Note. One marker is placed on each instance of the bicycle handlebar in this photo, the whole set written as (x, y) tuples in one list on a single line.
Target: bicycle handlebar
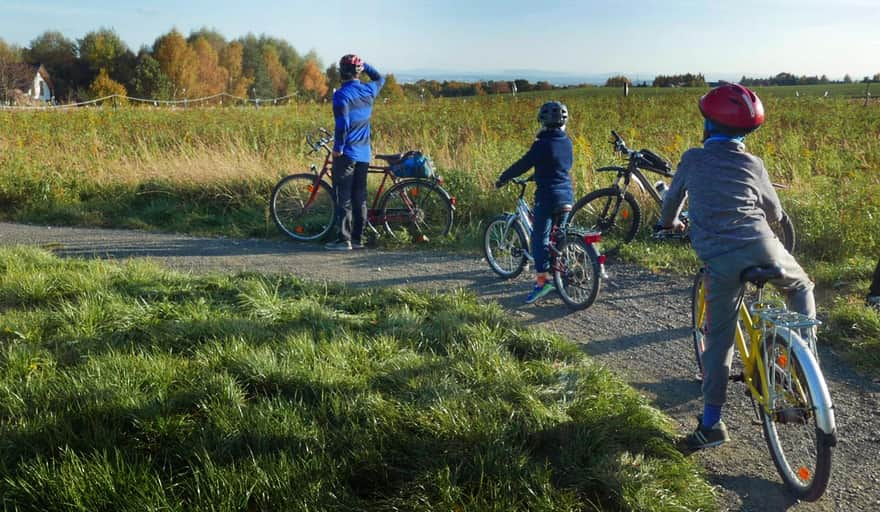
[(321, 142)]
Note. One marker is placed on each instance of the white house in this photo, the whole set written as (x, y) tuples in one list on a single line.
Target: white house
[(25, 83)]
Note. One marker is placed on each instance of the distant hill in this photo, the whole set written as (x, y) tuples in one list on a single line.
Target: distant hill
[(536, 75)]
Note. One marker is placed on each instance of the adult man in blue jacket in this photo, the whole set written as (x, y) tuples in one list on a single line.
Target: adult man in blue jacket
[(352, 107)]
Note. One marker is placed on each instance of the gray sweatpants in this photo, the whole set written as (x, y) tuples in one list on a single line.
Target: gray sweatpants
[(722, 291)]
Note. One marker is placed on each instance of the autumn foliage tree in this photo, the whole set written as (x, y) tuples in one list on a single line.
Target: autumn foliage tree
[(178, 61), (211, 78), (231, 59), (313, 83), (104, 86), (275, 70)]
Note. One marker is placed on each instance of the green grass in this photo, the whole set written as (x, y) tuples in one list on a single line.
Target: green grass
[(130, 387)]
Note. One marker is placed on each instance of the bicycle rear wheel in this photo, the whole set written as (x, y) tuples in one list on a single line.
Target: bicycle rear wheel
[(576, 273), (699, 324), (505, 246), (416, 210), (303, 207), (801, 451), (616, 218)]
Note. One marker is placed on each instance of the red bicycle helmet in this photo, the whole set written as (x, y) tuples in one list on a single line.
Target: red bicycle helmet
[(733, 107), (351, 64)]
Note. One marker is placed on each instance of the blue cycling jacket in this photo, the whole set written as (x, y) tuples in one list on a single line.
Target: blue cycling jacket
[(352, 106), (552, 157)]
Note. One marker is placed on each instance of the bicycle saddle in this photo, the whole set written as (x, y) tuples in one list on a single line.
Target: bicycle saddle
[(761, 274), (391, 159)]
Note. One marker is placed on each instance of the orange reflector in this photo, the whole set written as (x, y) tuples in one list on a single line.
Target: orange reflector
[(452, 200), (414, 192), (624, 214), (311, 188), (782, 360), (804, 473), (299, 230)]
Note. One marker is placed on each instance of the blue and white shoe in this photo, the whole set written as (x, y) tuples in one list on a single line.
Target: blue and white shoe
[(539, 291)]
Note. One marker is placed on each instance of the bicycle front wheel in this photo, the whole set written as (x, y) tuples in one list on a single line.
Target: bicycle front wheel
[(505, 246), (616, 217), (801, 451), (303, 207), (416, 210), (699, 324), (576, 273)]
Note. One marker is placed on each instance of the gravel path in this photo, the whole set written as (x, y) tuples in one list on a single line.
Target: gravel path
[(638, 327)]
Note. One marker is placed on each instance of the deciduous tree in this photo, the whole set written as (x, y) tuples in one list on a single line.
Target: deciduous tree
[(178, 61), (104, 86), (278, 75), (211, 78), (103, 49), (313, 83), (149, 82)]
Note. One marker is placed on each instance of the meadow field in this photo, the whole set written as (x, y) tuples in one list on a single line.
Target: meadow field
[(211, 170)]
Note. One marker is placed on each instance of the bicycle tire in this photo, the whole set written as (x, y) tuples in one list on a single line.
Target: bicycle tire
[(577, 273), (300, 214), (805, 464), (417, 210), (510, 233), (617, 219), (698, 319)]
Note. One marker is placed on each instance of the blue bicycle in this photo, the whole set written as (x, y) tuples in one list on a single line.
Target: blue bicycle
[(575, 261)]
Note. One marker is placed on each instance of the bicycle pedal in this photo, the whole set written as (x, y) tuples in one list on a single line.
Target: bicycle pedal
[(737, 378)]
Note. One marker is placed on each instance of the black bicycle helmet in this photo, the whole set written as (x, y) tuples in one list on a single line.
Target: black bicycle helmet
[(553, 114)]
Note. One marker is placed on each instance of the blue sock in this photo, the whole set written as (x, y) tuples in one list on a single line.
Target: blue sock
[(711, 415)]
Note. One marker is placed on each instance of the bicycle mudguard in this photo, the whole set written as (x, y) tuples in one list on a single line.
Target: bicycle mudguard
[(816, 382)]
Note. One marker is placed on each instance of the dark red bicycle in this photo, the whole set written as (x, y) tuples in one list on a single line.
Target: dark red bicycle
[(416, 209)]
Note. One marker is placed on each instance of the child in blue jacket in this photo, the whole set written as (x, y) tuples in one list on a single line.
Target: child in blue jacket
[(551, 155)]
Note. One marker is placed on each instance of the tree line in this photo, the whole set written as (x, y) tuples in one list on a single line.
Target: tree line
[(698, 80), (685, 80), (205, 63), (790, 79), (175, 67)]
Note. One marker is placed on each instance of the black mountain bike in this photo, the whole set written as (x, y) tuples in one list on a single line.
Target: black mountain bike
[(615, 212)]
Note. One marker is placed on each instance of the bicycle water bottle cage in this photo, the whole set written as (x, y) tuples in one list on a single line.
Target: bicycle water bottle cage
[(761, 274)]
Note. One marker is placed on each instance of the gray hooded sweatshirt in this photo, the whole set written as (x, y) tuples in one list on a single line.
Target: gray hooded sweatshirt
[(730, 198)]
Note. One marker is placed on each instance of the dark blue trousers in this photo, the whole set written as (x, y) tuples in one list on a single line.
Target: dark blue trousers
[(350, 186)]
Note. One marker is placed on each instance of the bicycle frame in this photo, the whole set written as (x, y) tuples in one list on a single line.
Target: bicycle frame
[(748, 338), (626, 174)]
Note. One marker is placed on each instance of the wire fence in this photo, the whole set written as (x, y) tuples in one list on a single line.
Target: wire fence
[(186, 102)]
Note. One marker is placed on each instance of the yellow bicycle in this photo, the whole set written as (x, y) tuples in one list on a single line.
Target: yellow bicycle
[(780, 366)]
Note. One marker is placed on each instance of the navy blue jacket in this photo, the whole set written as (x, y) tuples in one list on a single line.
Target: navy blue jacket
[(552, 156), (352, 106)]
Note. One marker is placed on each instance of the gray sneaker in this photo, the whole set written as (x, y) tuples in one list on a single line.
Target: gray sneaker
[(338, 245), (357, 246), (706, 437)]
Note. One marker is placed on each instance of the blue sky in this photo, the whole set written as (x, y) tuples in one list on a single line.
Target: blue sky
[(719, 39)]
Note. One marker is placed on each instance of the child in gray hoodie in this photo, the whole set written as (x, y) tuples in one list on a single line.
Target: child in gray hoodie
[(730, 204)]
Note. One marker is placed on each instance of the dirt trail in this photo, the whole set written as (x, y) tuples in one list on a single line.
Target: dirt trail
[(639, 328)]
